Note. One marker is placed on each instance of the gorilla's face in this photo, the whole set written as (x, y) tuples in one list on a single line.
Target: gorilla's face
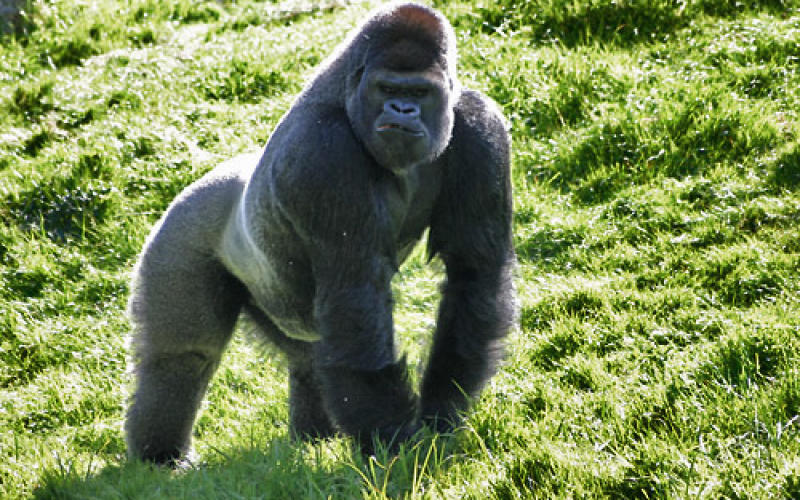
[(403, 118)]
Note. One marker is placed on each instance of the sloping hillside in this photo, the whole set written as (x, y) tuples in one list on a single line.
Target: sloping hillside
[(657, 225)]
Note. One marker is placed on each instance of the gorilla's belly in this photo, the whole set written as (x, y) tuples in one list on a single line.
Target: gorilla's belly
[(292, 316)]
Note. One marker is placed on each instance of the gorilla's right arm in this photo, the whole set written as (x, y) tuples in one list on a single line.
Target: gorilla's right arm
[(331, 197)]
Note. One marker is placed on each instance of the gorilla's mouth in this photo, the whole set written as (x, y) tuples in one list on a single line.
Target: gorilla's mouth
[(385, 127)]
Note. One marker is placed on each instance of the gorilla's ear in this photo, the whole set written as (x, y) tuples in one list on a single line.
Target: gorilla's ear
[(354, 78)]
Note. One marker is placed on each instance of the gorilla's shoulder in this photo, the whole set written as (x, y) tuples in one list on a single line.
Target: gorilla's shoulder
[(313, 141), (477, 110), (315, 151), (480, 134)]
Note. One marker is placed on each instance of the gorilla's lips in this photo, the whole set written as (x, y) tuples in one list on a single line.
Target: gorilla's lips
[(399, 127)]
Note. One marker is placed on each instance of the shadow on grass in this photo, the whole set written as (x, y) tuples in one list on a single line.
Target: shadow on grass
[(608, 21), (785, 171), (284, 468)]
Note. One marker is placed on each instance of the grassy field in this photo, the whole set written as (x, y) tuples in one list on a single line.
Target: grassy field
[(657, 225)]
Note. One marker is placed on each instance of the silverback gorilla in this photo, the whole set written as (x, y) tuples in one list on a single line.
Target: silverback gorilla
[(380, 145)]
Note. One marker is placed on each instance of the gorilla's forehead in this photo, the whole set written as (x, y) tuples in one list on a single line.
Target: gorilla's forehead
[(406, 55), (412, 78)]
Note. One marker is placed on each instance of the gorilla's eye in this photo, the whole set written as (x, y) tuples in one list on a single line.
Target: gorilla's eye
[(389, 89), (398, 90)]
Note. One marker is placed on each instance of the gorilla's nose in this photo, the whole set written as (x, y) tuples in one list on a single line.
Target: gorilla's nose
[(407, 109)]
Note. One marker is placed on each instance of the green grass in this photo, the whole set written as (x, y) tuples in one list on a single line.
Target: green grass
[(657, 225)]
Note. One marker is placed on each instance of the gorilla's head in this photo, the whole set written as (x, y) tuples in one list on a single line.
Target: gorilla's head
[(402, 89)]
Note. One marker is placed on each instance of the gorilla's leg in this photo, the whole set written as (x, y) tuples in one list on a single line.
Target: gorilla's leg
[(170, 388), (307, 415), (184, 313)]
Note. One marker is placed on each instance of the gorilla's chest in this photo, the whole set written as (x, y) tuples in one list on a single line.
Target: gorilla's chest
[(409, 201), (273, 258)]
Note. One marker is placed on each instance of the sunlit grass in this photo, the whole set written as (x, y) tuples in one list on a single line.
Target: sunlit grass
[(657, 227)]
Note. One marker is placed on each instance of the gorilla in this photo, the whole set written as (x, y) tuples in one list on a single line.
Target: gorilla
[(304, 239)]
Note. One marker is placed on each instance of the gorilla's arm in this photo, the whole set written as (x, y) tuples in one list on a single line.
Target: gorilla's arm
[(471, 230), (363, 387), (333, 203)]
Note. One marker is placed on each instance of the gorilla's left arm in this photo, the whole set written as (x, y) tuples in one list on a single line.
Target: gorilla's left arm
[(471, 230)]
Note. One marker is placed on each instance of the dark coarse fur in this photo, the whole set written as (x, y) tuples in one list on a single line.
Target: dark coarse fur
[(305, 238)]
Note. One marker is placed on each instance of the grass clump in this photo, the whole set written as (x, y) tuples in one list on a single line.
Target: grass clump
[(656, 165), (622, 22)]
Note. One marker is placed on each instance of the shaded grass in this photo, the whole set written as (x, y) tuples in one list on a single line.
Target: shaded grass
[(624, 22)]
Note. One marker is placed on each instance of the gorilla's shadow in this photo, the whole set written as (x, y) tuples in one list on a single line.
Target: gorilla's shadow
[(283, 468)]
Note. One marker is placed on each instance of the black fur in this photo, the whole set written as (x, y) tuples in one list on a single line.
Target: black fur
[(381, 145)]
